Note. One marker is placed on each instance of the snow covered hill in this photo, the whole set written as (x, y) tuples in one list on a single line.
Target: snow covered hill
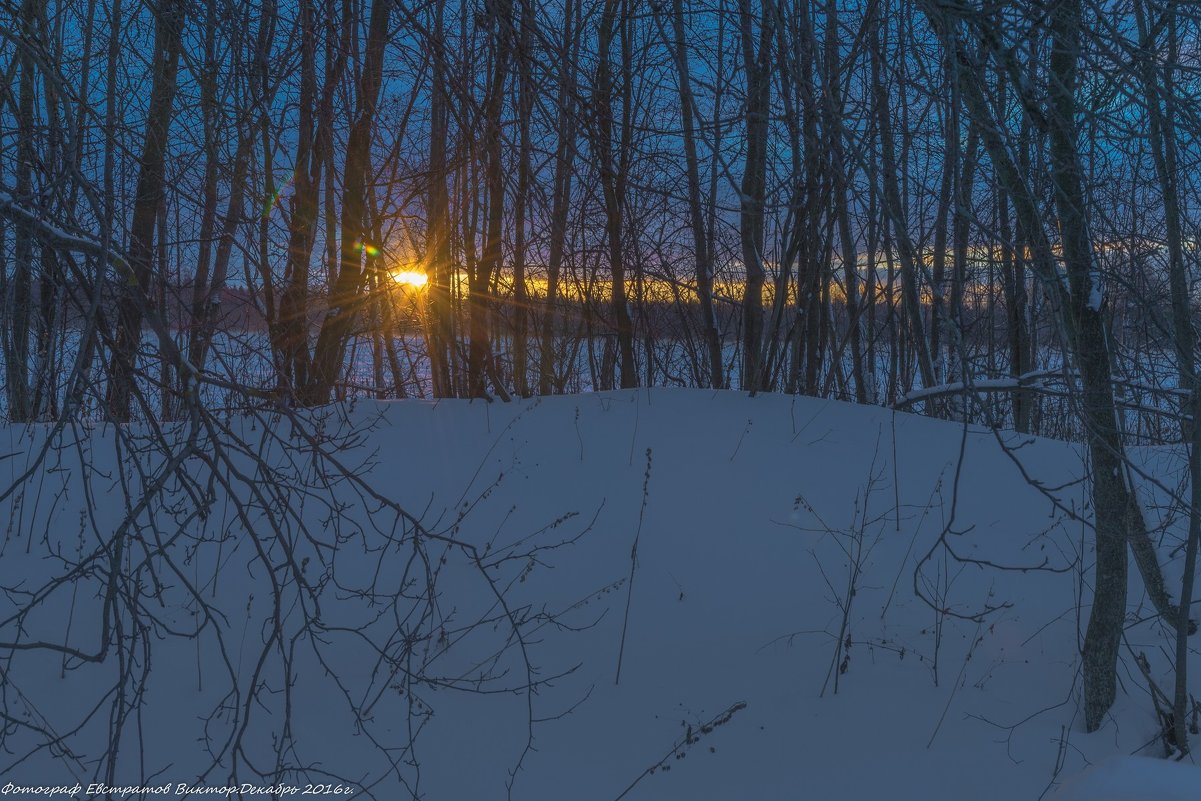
[(729, 598)]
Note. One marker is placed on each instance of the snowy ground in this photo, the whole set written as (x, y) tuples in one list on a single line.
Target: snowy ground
[(798, 623)]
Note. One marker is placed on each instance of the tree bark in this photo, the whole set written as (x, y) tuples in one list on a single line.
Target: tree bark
[(1160, 103), (612, 177), (565, 148), (1118, 518), (906, 251), (440, 334), (753, 190), (16, 297), (346, 292), (148, 199), (696, 216)]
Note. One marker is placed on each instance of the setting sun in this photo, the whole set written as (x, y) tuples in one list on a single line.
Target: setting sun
[(411, 278)]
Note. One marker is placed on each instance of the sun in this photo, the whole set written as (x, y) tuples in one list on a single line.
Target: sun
[(410, 278)]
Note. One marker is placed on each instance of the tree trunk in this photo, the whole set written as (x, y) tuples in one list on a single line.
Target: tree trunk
[(893, 207), (346, 293), (440, 333), (565, 148), (148, 199), (840, 203), (613, 188), (757, 64), (696, 216), (479, 353), (1118, 518), (1160, 102), (16, 300)]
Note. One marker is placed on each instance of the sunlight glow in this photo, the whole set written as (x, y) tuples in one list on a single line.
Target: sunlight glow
[(412, 278)]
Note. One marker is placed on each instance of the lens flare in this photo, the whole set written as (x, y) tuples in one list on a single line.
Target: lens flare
[(273, 201), (412, 278)]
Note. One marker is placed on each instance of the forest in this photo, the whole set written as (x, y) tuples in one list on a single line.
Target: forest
[(439, 200), (226, 224)]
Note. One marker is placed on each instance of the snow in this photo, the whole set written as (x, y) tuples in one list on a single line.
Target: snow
[(1094, 293), (754, 519), (1123, 778)]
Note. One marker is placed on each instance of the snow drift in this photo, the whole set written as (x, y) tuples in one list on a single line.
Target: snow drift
[(712, 597)]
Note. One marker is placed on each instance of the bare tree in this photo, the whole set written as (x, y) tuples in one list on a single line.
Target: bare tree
[(758, 67)]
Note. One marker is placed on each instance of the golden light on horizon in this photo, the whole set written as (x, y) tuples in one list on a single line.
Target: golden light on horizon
[(410, 278)]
